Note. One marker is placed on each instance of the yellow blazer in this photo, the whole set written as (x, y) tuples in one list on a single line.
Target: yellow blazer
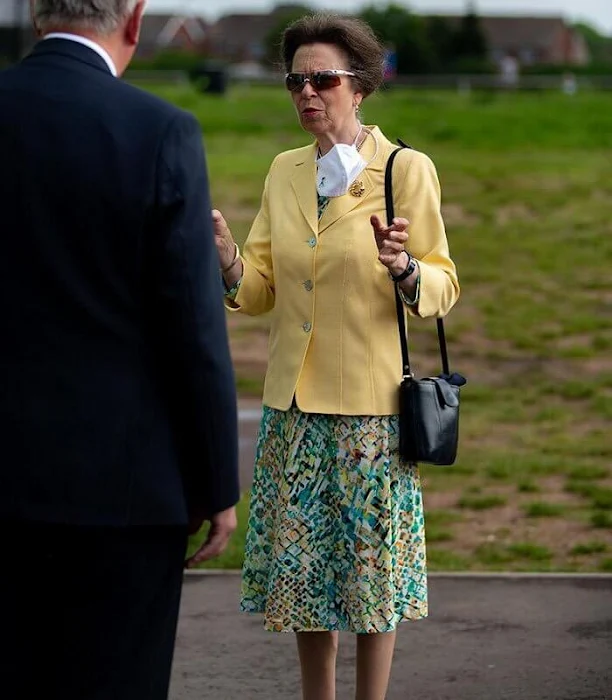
[(334, 341)]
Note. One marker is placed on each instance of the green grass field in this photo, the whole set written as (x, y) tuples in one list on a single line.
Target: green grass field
[(527, 188)]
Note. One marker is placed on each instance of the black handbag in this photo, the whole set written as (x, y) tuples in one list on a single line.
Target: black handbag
[(429, 407)]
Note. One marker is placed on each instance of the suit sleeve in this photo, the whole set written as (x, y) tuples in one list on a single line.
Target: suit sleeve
[(419, 201), (189, 319)]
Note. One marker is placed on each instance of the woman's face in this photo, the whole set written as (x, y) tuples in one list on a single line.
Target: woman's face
[(331, 111)]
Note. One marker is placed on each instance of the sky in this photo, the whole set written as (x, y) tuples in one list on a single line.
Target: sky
[(596, 12)]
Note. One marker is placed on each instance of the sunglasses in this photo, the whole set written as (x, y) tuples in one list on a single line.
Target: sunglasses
[(320, 80)]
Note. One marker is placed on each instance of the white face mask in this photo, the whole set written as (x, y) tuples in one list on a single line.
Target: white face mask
[(337, 169)]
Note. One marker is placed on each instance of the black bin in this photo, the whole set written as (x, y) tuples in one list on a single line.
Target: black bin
[(211, 80)]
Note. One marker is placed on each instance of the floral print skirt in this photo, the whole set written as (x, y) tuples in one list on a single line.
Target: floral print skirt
[(336, 533)]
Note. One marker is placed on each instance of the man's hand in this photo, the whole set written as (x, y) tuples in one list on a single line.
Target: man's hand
[(222, 525)]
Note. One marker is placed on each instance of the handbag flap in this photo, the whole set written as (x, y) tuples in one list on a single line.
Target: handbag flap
[(447, 394)]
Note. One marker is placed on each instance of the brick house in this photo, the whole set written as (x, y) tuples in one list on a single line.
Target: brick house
[(241, 38), (165, 32), (533, 40), (16, 34)]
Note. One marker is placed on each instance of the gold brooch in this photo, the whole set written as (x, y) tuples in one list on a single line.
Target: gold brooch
[(357, 189)]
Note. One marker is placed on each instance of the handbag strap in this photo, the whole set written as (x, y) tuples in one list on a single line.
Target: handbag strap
[(406, 370)]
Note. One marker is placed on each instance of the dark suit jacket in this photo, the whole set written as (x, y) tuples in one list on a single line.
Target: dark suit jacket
[(117, 395)]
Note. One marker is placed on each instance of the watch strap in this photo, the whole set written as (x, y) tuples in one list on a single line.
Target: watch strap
[(410, 267)]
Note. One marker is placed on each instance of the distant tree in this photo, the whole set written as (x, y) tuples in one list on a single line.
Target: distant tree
[(407, 32), (469, 41), (285, 15), (441, 38), (600, 46)]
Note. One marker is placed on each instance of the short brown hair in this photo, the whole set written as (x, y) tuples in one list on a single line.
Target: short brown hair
[(353, 36)]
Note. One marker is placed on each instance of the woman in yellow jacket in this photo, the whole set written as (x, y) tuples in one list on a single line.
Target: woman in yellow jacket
[(336, 536)]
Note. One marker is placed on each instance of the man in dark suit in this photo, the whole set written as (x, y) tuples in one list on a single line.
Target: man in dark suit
[(118, 427)]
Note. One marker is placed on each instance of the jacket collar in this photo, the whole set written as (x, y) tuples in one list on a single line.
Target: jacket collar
[(85, 41), (72, 50), (375, 151)]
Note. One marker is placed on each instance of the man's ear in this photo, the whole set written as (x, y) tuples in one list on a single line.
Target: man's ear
[(132, 28)]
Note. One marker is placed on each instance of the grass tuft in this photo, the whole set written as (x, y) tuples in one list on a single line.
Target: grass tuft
[(541, 509)]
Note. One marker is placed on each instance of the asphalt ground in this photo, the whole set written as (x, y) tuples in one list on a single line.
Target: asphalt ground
[(488, 637)]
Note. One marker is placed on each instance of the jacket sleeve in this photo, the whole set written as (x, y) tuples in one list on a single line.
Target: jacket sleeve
[(256, 293), (419, 201), (188, 318)]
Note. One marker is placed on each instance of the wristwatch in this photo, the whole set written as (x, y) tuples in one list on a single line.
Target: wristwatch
[(410, 268)]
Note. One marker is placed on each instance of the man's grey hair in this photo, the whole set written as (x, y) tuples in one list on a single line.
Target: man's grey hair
[(97, 16)]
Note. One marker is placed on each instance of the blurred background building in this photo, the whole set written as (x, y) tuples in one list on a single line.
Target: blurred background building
[(16, 35), (422, 48)]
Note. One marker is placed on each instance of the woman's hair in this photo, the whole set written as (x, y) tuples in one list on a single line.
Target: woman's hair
[(352, 36)]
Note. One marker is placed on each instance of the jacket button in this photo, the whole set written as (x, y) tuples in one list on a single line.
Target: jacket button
[(312, 242), (307, 327), (308, 285)]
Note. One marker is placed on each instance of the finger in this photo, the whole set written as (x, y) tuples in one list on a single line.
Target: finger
[(387, 260), (213, 547), (392, 247), (211, 550), (400, 223), (395, 231), (376, 223), (392, 253), (397, 236), (379, 227), (219, 223), (382, 236)]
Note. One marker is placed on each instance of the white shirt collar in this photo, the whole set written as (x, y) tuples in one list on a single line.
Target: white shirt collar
[(86, 42)]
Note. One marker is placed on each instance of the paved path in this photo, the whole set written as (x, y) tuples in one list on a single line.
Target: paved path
[(488, 638)]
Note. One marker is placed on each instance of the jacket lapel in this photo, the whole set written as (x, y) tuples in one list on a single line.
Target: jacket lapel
[(304, 188), (340, 206), (374, 152), (303, 183)]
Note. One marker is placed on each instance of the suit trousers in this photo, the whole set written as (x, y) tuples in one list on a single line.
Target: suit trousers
[(88, 613)]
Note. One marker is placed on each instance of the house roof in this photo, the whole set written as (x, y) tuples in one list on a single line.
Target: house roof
[(233, 33), (161, 30), (534, 32), (509, 32), (243, 29), (152, 27), (195, 27)]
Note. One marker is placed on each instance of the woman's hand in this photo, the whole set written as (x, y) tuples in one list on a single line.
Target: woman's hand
[(226, 247), (391, 242)]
